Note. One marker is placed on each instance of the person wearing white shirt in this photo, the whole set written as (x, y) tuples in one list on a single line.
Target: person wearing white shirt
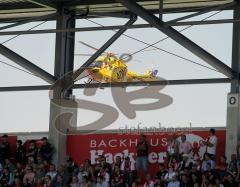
[(174, 182), (101, 182), (169, 175), (211, 144), (185, 146), (52, 171)]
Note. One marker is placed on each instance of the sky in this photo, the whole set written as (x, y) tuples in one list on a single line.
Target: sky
[(200, 105)]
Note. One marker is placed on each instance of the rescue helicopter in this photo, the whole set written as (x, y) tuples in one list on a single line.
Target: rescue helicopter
[(110, 68)]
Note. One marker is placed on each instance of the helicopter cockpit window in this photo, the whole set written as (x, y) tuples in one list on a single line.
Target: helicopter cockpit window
[(97, 64)]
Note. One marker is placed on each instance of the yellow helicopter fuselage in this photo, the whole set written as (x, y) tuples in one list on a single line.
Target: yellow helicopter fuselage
[(112, 69)]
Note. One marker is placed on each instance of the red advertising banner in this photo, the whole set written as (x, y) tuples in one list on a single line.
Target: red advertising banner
[(89, 146)]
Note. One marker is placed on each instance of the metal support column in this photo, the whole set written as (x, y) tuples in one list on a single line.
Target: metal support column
[(233, 109), (64, 63)]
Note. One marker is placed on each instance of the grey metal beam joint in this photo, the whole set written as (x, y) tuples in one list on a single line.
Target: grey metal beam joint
[(178, 37)]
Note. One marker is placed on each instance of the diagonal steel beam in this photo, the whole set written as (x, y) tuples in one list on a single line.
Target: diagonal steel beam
[(44, 3), (178, 37), (203, 12), (103, 48), (26, 64)]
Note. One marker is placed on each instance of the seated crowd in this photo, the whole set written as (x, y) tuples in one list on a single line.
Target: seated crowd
[(32, 166)]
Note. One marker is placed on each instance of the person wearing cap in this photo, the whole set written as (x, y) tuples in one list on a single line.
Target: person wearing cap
[(142, 154), (4, 148), (211, 144)]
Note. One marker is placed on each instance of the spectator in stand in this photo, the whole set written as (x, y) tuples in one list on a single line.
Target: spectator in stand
[(30, 162), (196, 181), (149, 182), (19, 171), (169, 175), (39, 175), (158, 183), (101, 182), (63, 172), (59, 182), (4, 148), (137, 182), (7, 178), (81, 173), (117, 178), (185, 181), (174, 182), (172, 148), (105, 164), (205, 181), (128, 168), (71, 166), (105, 174), (46, 150), (142, 154), (8, 164), (161, 172), (47, 181), (207, 163), (29, 175), (196, 171), (39, 161), (19, 156), (186, 163), (232, 167), (211, 144), (117, 162), (222, 167), (32, 150), (74, 182), (185, 146), (229, 181), (86, 182), (218, 182), (238, 175), (1, 169), (52, 171), (90, 170), (17, 182)]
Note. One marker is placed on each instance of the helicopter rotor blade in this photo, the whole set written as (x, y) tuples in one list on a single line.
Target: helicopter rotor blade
[(79, 54), (90, 46)]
